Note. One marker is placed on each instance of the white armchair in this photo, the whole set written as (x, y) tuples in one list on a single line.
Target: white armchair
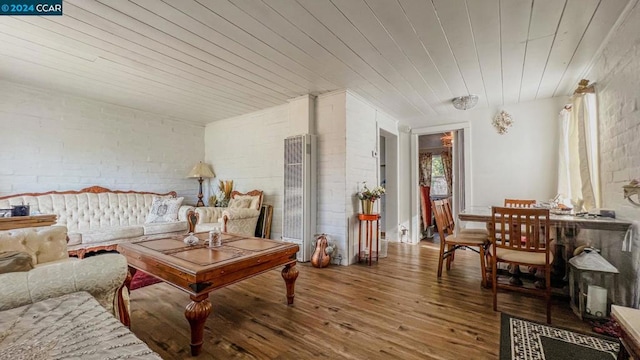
[(55, 273), (240, 217)]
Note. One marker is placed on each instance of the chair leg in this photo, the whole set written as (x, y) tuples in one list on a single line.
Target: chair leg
[(450, 255), (494, 282), (442, 245), (483, 267), (548, 292)]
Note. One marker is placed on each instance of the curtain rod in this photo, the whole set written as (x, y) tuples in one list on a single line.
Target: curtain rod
[(584, 87)]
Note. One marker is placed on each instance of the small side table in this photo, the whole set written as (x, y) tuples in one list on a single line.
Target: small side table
[(629, 321), (368, 221)]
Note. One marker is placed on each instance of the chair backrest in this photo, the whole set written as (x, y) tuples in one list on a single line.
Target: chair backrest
[(254, 195), (523, 229), (519, 203), (445, 226), (449, 213)]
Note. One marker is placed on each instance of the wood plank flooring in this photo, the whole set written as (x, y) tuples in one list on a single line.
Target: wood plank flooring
[(395, 309)]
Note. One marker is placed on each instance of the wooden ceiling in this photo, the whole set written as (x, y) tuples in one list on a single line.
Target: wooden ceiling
[(205, 60)]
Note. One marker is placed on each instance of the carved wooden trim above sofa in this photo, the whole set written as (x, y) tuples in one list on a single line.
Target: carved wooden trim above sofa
[(93, 190)]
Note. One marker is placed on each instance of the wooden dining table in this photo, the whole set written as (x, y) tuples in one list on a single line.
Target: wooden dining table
[(483, 214), (566, 227)]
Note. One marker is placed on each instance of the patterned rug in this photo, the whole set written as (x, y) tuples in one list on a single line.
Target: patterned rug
[(142, 279), (526, 340)]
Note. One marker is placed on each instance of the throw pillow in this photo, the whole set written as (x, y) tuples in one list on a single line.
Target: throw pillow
[(240, 203), (255, 200), (164, 209), (15, 261)]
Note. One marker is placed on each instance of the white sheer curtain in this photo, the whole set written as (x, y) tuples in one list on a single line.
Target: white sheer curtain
[(579, 173)]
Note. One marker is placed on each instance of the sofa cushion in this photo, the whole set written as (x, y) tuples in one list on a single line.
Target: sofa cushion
[(72, 326), (206, 227), (30, 240), (111, 233), (240, 203), (166, 227), (15, 261), (255, 200), (164, 209)]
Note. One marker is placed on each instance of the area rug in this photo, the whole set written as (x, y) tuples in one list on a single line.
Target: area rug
[(527, 340), (142, 279)]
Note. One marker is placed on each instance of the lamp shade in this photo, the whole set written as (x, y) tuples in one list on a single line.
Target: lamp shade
[(201, 170)]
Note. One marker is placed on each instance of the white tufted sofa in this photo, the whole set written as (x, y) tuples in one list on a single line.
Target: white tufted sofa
[(97, 218)]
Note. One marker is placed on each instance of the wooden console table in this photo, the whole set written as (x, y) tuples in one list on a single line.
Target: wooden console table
[(368, 221), (17, 222)]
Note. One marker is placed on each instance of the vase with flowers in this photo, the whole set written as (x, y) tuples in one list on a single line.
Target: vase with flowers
[(368, 197)]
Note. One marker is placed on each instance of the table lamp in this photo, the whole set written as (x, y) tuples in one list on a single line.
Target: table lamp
[(201, 171)]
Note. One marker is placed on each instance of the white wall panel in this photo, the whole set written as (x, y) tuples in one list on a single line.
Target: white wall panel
[(52, 141)]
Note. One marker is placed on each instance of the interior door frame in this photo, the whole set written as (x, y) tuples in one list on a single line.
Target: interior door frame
[(415, 187)]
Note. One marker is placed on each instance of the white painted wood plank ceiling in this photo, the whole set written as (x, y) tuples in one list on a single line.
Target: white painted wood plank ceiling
[(205, 60)]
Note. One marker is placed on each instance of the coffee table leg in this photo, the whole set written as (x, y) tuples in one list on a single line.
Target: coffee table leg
[(290, 274), (196, 313)]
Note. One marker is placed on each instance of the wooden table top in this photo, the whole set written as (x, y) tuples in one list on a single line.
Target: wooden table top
[(17, 222), (199, 269), (483, 214)]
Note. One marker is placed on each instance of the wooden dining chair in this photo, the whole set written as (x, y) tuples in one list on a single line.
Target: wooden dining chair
[(521, 237), (450, 218), (450, 242), (519, 203)]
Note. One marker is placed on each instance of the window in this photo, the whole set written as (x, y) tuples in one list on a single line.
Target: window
[(438, 181)]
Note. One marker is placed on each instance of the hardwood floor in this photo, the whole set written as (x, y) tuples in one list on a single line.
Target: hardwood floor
[(395, 309)]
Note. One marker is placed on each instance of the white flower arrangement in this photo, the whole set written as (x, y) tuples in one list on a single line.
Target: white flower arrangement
[(502, 122), (370, 194)]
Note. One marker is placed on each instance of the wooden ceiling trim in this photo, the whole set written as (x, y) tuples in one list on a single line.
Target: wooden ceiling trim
[(281, 26), (422, 17), (211, 43), (164, 31), (365, 23), (545, 19), (455, 21), (393, 19), (573, 24), (208, 16), (352, 37), (101, 72), (514, 33), (123, 54), (487, 38), (308, 24), (54, 79), (602, 23)]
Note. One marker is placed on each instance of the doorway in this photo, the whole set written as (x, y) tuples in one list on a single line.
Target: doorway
[(388, 175), (448, 147)]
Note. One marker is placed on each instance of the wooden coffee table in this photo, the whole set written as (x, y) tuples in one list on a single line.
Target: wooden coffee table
[(198, 269)]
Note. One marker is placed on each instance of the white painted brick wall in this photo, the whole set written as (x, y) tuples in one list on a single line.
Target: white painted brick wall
[(362, 139), (52, 141), (617, 77), (249, 150), (332, 140)]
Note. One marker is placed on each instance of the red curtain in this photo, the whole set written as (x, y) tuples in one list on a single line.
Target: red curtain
[(425, 188), (425, 203)]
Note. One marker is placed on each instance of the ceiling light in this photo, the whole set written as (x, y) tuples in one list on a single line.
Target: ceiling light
[(465, 102)]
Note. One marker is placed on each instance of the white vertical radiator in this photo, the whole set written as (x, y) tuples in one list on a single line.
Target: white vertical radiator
[(299, 207)]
